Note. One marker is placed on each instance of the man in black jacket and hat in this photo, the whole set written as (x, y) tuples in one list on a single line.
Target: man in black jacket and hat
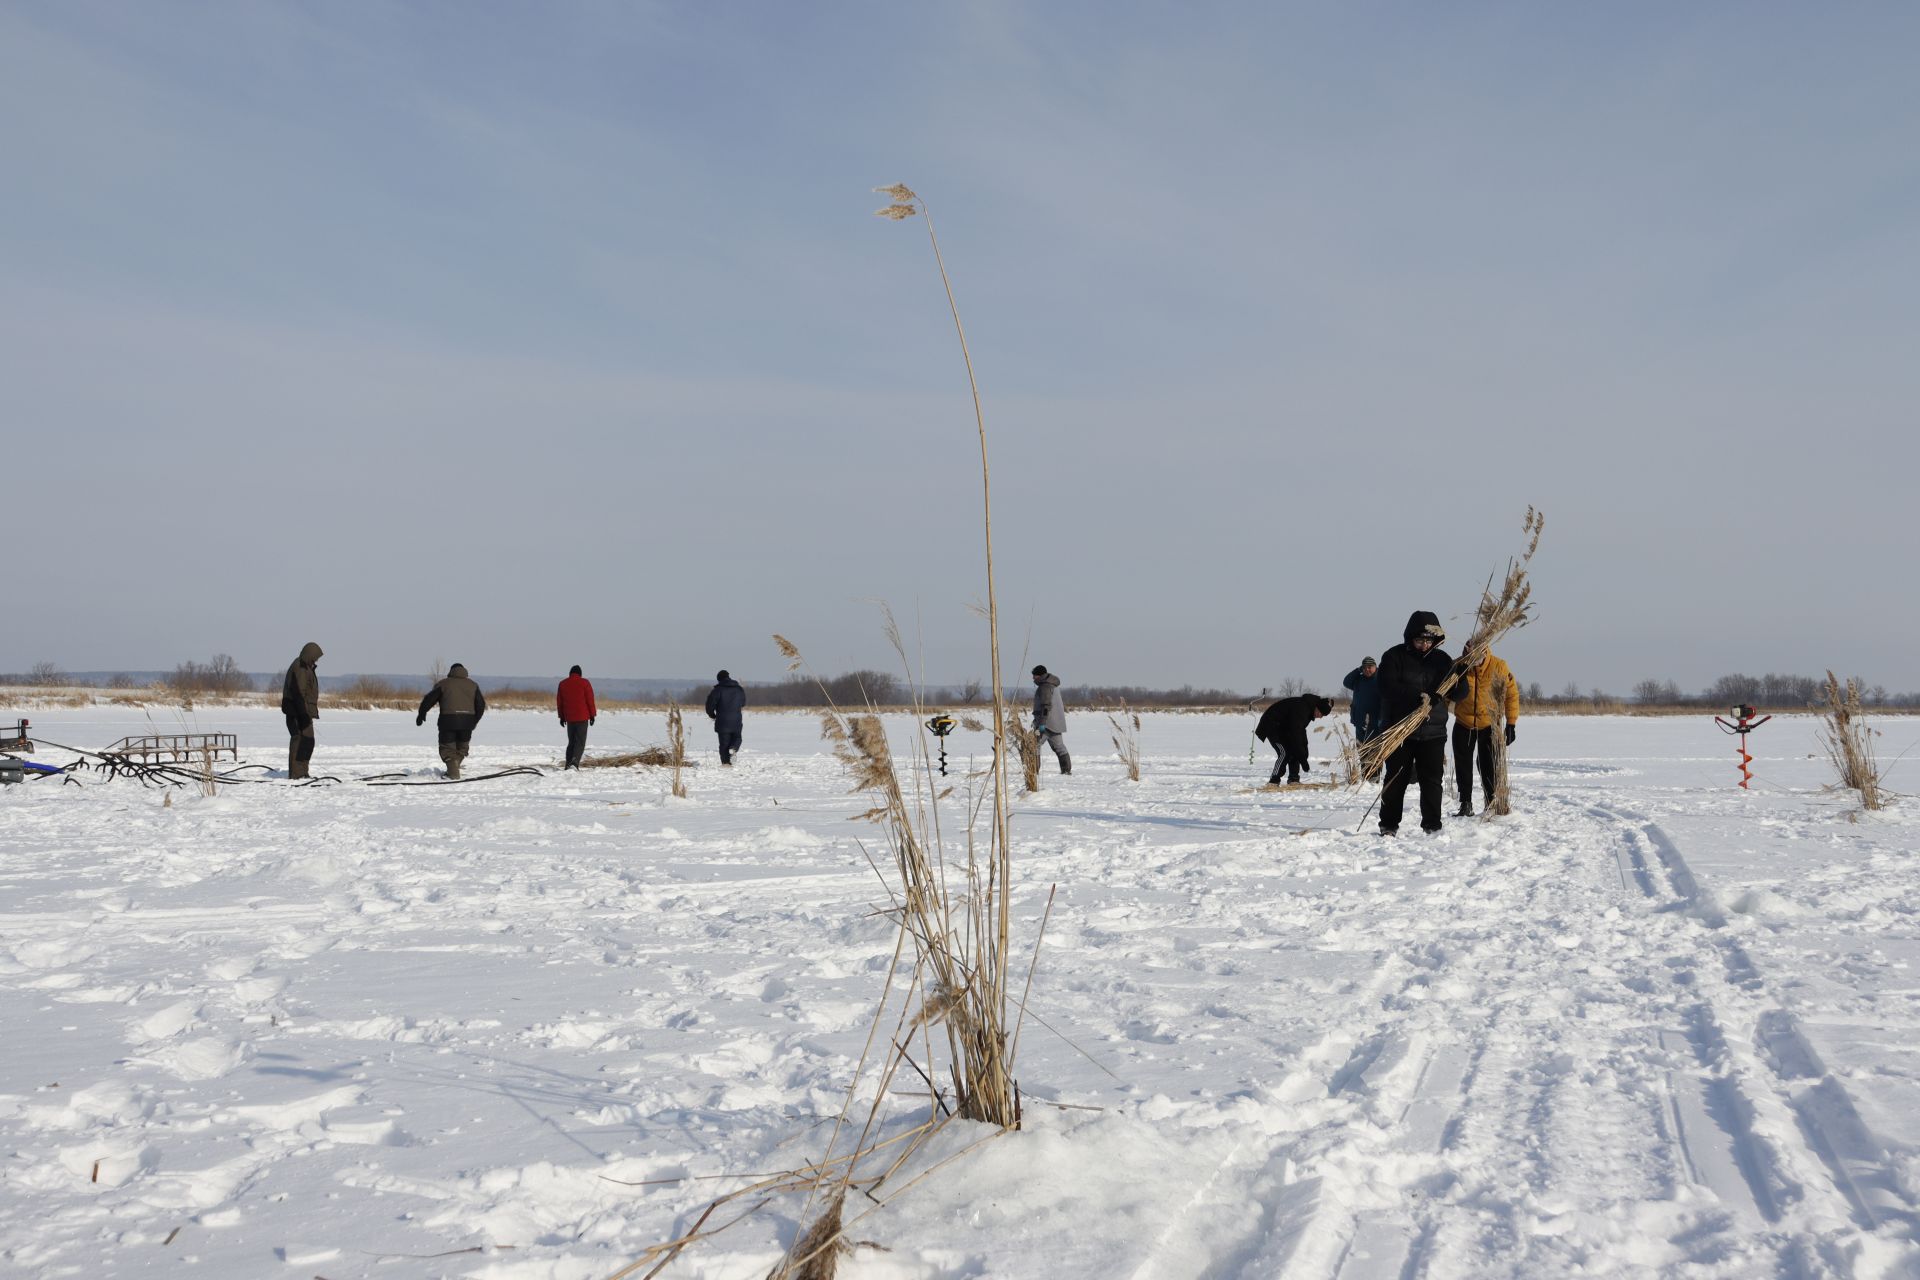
[(1409, 679), (1283, 726), (725, 702)]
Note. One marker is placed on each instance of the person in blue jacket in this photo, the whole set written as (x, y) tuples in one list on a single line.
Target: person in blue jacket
[(1362, 682)]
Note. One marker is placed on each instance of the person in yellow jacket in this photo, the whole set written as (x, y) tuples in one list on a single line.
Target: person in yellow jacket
[(1488, 686)]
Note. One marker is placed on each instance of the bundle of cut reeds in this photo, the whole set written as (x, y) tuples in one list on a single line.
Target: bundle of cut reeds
[(1496, 616), (655, 757), (1500, 804)]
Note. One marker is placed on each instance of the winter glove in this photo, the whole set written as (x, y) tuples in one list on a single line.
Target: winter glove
[(592, 720), (1460, 667), (1306, 766), (1509, 735), (418, 721)]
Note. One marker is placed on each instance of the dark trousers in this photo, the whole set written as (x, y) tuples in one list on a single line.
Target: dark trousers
[(1422, 758), (299, 745), (576, 742), (1366, 728), (456, 732), (1465, 743), (729, 743), (1291, 764)]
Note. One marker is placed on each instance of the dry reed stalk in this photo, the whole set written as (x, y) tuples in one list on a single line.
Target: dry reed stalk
[(1495, 617), (1502, 802), (1849, 742), (206, 772), (1346, 753), (676, 747), (961, 941), (907, 203), (1126, 740)]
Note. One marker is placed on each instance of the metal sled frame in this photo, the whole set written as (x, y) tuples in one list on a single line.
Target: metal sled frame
[(177, 747)]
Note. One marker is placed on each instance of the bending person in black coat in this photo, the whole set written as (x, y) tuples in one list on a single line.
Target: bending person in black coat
[(1283, 725), (1407, 672)]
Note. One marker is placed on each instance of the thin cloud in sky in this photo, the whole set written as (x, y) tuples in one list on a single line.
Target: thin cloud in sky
[(567, 335)]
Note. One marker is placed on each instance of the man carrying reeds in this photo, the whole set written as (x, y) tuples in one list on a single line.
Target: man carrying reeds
[(1487, 686), (725, 703), (1410, 677), (300, 704), (461, 705), (1050, 715), (574, 699), (1283, 726), (1364, 684)]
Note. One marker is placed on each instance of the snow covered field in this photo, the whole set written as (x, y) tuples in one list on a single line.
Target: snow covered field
[(1650, 1025)]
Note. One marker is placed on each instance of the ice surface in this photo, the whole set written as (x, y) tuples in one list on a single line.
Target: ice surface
[(1648, 1025)]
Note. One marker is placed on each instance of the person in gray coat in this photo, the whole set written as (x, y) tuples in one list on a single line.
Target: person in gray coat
[(1050, 715)]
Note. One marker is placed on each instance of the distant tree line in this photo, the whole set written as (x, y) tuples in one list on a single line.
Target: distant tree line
[(1774, 691), (859, 688), (219, 674)]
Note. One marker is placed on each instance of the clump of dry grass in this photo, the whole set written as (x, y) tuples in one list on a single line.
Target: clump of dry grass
[(815, 1254), (1126, 741), (1849, 742), (676, 748), (1495, 617), (1027, 743)]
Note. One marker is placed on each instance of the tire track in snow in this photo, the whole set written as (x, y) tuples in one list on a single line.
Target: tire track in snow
[(1584, 1080), (1827, 1154)]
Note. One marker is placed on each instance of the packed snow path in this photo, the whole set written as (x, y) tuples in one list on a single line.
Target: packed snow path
[(1648, 1025)]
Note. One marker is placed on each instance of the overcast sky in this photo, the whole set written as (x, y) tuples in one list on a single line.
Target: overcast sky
[(525, 335)]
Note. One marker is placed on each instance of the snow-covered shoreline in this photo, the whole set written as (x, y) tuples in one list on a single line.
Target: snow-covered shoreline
[(1649, 1025)]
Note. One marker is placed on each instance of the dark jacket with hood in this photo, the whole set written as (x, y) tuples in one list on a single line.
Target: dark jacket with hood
[(1406, 674), (300, 693), (1284, 724), (455, 696), (725, 701)]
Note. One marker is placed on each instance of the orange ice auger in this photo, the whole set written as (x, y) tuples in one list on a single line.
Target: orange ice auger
[(1746, 724)]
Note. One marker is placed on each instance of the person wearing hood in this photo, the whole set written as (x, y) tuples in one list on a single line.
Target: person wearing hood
[(1364, 684), (461, 705), (1410, 676), (300, 704), (1490, 688), (1050, 715), (574, 700), (1283, 726), (725, 702)]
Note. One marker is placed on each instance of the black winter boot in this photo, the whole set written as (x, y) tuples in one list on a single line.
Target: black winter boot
[(1465, 810), (1066, 763)]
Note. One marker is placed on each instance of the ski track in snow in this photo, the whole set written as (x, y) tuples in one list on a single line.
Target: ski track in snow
[(1647, 1026)]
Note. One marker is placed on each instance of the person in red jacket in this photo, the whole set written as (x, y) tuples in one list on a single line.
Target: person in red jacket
[(575, 701)]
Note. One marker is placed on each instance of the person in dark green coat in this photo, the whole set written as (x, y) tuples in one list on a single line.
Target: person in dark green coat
[(300, 704), (461, 705)]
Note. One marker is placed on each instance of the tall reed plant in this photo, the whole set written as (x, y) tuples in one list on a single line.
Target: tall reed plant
[(1849, 742)]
